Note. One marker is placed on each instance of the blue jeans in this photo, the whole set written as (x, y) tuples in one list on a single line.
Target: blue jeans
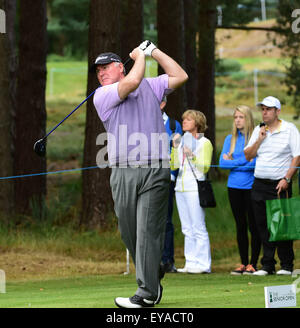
[(168, 253)]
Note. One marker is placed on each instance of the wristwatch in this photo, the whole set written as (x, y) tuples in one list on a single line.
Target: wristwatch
[(288, 180)]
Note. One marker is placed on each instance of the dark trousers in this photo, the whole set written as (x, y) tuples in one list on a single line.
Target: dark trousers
[(140, 197), (240, 201), (168, 253), (263, 190)]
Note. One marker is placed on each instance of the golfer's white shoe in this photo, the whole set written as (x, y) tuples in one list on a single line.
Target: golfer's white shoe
[(182, 270), (134, 302), (159, 295)]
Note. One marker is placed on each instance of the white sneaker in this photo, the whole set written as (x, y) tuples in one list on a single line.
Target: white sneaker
[(159, 294), (260, 273), (134, 302), (182, 270), (284, 272)]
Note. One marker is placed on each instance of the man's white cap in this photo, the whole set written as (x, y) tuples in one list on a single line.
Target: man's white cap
[(270, 102)]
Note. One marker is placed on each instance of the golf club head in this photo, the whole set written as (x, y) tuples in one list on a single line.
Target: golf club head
[(40, 147)]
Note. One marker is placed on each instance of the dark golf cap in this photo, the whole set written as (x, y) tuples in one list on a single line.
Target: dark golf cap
[(105, 58)]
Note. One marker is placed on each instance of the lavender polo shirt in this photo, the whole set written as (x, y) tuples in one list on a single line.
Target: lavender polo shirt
[(135, 128)]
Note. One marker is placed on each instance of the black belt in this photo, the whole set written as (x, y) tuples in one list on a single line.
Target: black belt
[(268, 181)]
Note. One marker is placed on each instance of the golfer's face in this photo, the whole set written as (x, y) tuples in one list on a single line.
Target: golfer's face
[(109, 73)]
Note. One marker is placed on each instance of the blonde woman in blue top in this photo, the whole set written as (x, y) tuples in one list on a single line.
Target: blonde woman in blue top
[(239, 185)]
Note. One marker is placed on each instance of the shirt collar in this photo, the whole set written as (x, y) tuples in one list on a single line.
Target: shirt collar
[(280, 128), (240, 133)]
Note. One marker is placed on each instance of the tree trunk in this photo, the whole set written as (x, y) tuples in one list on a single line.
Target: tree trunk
[(103, 37), (170, 30), (190, 32), (11, 10), (131, 28), (30, 118), (6, 121), (206, 70)]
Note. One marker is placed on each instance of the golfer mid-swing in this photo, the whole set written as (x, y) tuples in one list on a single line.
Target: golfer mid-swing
[(140, 174)]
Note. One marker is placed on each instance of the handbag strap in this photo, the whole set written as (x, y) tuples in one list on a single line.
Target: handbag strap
[(191, 166)]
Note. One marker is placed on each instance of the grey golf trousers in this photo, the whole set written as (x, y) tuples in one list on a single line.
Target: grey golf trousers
[(140, 197)]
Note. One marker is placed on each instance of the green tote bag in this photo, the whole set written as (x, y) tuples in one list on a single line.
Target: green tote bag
[(283, 216)]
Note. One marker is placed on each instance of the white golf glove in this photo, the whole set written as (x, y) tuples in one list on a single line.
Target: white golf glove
[(147, 47)]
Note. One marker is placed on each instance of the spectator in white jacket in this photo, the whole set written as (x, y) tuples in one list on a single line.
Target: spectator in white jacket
[(193, 150)]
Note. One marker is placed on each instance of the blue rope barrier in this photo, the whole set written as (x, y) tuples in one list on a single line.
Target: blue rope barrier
[(48, 173), (89, 168)]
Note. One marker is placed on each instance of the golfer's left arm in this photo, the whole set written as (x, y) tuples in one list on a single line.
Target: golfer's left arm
[(177, 75), (133, 79)]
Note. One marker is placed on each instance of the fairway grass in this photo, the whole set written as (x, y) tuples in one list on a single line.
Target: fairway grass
[(216, 290)]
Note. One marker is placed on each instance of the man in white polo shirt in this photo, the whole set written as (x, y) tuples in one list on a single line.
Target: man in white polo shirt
[(276, 145)]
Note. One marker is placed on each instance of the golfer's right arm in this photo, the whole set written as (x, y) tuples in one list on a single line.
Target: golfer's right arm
[(131, 81)]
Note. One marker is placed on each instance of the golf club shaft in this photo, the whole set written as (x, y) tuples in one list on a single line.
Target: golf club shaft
[(68, 115), (125, 63)]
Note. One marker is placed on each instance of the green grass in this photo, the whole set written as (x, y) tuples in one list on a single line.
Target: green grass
[(214, 290), (66, 79)]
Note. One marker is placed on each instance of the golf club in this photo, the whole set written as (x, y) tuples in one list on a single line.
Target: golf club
[(40, 146)]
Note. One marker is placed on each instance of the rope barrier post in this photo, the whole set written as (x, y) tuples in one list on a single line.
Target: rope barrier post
[(2, 282)]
